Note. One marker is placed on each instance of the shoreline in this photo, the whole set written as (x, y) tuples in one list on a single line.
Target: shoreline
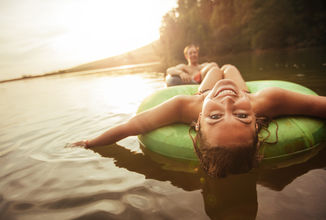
[(84, 72), (90, 68)]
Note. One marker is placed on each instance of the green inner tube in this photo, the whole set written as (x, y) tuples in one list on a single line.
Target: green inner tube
[(299, 138)]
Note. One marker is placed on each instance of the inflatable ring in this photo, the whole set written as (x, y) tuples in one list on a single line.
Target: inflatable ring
[(299, 138)]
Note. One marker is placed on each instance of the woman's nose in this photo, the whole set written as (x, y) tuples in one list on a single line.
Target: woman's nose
[(228, 102)]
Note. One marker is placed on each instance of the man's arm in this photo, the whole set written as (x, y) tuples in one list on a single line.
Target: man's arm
[(181, 71), (206, 65), (166, 113), (177, 70), (279, 102)]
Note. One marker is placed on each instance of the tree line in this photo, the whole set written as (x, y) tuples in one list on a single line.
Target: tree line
[(230, 26)]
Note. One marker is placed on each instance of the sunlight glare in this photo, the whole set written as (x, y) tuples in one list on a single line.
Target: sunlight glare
[(99, 30), (130, 91), (45, 36)]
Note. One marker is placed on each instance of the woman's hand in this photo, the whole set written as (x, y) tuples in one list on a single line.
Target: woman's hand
[(83, 143)]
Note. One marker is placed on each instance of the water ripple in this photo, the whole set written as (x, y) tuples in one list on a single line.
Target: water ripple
[(6, 148), (40, 179)]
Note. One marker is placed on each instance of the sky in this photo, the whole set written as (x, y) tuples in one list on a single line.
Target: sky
[(41, 36)]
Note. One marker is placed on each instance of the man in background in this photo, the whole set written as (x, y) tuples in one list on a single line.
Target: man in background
[(191, 73)]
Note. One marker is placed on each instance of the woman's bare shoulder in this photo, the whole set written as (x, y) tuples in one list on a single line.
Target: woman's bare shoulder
[(265, 101), (275, 102), (268, 92), (191, 107)]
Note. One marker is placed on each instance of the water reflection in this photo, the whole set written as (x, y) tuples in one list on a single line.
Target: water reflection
[(233, 197), (40, 177), (278, 179)]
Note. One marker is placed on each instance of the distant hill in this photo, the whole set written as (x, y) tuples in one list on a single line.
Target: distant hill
[(145, 54)]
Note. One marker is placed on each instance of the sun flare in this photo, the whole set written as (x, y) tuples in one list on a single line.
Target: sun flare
[(99, 30), (45, 36)]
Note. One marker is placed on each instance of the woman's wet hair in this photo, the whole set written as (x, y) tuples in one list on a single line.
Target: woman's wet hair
[(219, 161)]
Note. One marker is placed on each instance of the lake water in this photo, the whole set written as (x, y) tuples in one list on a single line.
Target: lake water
[(40, 179)]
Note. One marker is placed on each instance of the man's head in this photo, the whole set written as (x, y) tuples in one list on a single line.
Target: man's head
[(191, 54)]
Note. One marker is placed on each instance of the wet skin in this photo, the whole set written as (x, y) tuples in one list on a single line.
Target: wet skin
[(227, 118)]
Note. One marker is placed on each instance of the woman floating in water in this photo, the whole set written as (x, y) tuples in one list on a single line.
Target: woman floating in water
[(226, 117)]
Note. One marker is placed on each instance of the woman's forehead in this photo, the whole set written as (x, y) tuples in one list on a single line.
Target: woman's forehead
[(231, 139), (229, 134)]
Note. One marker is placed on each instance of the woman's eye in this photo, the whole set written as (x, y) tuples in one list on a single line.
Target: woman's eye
[(241, 115), (215, 116)]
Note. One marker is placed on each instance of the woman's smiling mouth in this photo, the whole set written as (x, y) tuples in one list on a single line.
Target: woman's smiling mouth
[(225, 92)]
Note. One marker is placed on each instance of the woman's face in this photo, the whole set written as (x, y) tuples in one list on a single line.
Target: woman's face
[(227, 118)]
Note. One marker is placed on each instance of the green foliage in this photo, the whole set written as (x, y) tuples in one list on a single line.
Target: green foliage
[(225, 26)]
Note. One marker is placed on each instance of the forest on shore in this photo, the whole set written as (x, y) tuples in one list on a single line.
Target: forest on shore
[(222, 27)]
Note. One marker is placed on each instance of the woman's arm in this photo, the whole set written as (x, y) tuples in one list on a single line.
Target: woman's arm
[(166, 113), (280, 102)]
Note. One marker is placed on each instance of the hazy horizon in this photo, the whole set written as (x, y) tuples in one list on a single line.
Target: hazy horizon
[(38, 37)]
